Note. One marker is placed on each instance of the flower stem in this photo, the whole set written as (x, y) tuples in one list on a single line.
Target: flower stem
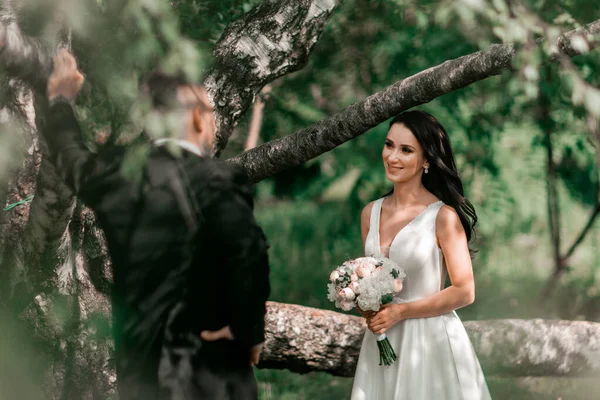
[(387, 355)]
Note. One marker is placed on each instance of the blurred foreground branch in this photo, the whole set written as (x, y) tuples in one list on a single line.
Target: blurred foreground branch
[(21, 56), (295, 149), (304, 339)]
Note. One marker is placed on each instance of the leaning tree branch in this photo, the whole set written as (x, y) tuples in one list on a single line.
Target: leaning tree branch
[(304, 339), (295, 149), (274, 39)]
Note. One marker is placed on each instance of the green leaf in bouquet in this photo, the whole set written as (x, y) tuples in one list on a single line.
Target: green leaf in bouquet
[(386, 298), (395, 273)]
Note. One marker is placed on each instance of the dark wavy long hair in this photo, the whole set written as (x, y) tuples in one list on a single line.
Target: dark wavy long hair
[(443, 179)]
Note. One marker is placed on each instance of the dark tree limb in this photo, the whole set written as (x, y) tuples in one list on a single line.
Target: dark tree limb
[(552, 199), (587, 227), (295, 149), (273, 39), (304, 339), (584, 232)]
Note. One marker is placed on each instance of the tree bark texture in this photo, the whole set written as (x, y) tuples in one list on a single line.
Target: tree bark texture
[(273, 39), (54, 280), (297, 148), (304, 339)]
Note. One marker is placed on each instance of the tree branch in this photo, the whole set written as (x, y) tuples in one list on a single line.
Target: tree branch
[(304, 339), (295, 149), (552, 199), (272, 40), (586, 228)]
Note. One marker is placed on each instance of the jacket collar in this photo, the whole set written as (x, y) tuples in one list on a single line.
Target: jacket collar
[(184, 144)]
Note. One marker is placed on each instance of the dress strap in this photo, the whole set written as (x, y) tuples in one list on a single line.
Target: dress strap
[(375, 215)]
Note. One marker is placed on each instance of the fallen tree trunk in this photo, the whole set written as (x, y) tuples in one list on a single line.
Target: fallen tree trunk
[(304, 339)]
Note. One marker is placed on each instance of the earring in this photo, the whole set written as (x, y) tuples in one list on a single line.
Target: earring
[(427, 169)]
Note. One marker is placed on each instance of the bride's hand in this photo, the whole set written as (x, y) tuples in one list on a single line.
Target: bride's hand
[(387, 316), (366, 314)]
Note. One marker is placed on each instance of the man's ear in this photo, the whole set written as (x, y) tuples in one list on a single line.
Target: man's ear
[(197, 119)]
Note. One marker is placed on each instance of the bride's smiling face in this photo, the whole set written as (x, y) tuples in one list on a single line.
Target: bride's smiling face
[(403, 156)]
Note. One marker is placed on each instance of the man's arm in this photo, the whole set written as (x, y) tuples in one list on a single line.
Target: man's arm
[(233, 231), (77, 165)]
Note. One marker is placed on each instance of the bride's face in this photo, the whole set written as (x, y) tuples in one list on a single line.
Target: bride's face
[(403, 156)]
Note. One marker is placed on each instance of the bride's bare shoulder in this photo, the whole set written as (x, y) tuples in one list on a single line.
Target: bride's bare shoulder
[(366, 211)]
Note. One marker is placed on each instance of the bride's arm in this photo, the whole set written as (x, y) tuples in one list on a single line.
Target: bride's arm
[(453, 242)]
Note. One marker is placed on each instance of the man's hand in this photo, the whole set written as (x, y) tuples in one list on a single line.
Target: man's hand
[(255, 354), (212, 336), (225, 333), (66, 80)]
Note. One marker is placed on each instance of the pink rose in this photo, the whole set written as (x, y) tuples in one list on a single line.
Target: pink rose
[(364, 270), (334, 276), (347, 294), (355, 286), (353, 277), (397, 285)]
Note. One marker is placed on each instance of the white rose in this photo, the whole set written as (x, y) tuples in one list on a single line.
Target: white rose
[(347, 305)]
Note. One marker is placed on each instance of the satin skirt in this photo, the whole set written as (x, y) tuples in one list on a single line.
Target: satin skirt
[(436, 361)]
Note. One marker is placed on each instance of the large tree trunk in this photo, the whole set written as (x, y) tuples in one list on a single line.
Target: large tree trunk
[(55, 323), (49, 264)]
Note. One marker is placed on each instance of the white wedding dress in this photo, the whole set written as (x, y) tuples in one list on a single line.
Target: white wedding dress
[(436, 360)]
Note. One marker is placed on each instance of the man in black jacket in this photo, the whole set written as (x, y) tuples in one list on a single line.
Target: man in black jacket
[(190, 263)]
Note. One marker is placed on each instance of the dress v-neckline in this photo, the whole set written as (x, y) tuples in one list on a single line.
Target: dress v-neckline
[(401, 229)]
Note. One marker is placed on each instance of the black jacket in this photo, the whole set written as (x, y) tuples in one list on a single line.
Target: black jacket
[(222, 279)]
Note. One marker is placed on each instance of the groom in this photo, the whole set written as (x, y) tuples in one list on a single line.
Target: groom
[(190, 263)]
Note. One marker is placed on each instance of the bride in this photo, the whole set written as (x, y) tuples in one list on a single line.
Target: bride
[(425, 225)]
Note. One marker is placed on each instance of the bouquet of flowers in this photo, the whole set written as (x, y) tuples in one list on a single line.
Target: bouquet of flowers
[(369, 283)]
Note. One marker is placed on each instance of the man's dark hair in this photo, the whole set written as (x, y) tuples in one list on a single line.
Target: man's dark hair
[(162, 89)]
